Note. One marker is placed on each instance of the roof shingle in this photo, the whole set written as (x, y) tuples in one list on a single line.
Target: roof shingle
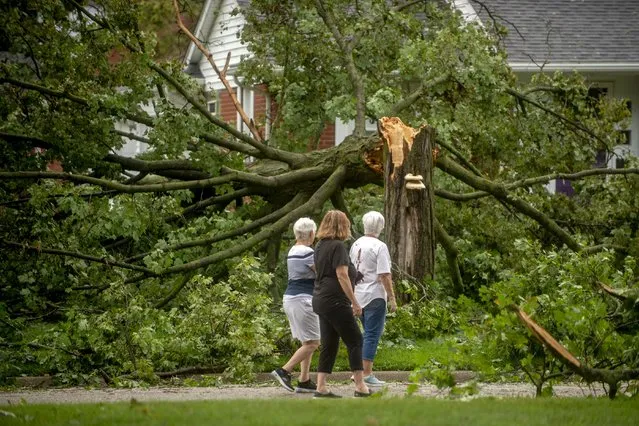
[(567, 31)]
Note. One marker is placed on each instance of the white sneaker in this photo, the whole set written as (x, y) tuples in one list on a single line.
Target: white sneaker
[(373, 381)]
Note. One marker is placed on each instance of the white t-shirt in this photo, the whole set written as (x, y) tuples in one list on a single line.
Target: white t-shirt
[(371, 257)]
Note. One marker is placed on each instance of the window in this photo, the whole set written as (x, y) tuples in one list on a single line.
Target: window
[(212, 103), (615, 158), (212, 106)]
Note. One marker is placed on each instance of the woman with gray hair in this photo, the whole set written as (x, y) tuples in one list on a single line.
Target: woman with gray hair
[(299, 308), (372, 259)]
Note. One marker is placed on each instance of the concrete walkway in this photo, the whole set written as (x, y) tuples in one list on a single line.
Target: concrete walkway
[(265, 388)]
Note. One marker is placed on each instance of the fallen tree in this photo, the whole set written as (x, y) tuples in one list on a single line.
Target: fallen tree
[(84, 225)]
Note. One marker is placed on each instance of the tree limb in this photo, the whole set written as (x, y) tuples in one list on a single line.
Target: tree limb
[(610, 377), (294, 203), (539, 180), (314, 202), (470, 166), (226, 198), (154, 166), (231, 175), (451, 256), (573, 124), (32, 140), (349, 64), (268, 152), (175, 290), (500, 192), (221, 74), (139, 117), (77, 255)]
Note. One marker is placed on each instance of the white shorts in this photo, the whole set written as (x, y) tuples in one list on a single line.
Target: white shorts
[(304, 322)]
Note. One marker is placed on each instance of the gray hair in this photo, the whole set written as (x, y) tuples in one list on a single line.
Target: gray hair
[(373, 223), (303, 228)]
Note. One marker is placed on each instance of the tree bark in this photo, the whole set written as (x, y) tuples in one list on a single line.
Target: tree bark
[(409, 214)]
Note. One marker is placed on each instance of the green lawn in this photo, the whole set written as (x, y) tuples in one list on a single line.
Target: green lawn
[(372, 412), (397, 357)]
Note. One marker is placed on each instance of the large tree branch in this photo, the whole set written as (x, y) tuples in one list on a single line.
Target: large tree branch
[(263, 151), (221, 74), (462, 159), (610, 377), (192, 171), (284, 179), (349, 64), (142, 118), (220, 199), (500, 192), (290, 206), (132, 136), (267, 152), (77, 255), (259, 150), (415, 95), (32, 141), (139, 117), (572, 123), (539, 180), (316, 201), (184, 280), (451, 257)]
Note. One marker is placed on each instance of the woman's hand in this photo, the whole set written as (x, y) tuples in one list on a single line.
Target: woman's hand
[(357, 310), (392, 304)]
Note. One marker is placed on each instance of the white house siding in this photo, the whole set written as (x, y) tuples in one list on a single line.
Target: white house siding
[(346, 128), (224, 38), (628, 87)]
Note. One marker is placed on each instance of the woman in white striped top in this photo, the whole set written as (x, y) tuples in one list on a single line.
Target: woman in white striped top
[(299, 309)]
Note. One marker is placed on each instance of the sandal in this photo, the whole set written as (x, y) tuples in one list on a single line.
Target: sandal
[(328, 395)]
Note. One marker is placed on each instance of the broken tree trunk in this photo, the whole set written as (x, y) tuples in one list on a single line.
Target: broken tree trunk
[(408, 206)]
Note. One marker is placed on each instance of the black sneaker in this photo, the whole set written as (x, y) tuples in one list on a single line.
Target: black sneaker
[(327, 395), (306, 387), (284, 378)]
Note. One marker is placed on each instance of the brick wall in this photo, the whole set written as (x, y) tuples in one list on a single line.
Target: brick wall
[(227, 111), (260, 98), (327, 138)]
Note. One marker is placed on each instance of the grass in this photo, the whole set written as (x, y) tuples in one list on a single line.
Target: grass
[(373, 412), (401, 357)]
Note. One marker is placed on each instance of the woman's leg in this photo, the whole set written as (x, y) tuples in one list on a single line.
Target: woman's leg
[(302, 355), (373, 320), (328, 352), (346, 326), (305, 364)]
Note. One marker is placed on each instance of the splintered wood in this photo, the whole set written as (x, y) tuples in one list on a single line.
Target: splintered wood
[(546, 338), (396, 133)]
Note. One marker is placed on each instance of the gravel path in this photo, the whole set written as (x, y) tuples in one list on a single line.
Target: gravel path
[(81, 395)]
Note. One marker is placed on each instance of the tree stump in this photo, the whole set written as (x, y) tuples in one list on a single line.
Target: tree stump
[(408, 207)]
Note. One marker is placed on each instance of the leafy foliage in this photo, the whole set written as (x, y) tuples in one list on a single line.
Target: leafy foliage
[(225, 324), (129, 266)]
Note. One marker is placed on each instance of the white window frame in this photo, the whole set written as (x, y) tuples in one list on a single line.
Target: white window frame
[(213, 101)]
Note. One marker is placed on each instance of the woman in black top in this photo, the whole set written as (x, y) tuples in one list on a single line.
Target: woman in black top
[(335, 304)]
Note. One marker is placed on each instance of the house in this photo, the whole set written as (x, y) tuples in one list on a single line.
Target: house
[(597, 38), (219, 28)]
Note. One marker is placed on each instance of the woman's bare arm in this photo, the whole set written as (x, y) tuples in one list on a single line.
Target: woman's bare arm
[(347, 288)]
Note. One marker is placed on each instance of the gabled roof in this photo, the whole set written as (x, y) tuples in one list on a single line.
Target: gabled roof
[(205, 26), (580, 34)]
